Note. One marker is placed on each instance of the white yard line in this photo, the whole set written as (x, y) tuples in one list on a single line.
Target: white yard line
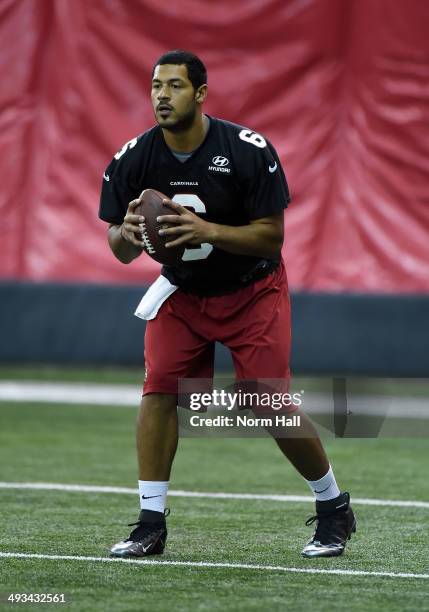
[(70, 393), (270, 568), (77, 488)]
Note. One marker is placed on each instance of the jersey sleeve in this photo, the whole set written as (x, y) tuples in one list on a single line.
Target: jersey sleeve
[(267, 190), (118, 187)]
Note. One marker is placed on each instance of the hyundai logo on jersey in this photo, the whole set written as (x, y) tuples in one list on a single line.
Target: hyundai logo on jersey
[(219, 164), (218, 160)]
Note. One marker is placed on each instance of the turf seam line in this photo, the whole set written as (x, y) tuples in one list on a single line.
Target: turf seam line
[(273, 568), (77, 488)]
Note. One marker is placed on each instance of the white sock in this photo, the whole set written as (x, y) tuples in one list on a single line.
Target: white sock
[(152, 494), (326, 487)]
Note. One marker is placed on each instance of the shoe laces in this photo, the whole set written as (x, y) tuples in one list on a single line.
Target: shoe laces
[(144, 529), (323, 531), (141, 531)]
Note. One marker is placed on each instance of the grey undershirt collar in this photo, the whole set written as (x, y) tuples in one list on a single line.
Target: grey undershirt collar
[(182, 157)]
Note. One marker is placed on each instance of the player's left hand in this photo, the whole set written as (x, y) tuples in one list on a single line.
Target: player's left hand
[(188, 228)]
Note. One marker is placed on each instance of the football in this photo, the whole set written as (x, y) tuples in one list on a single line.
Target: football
[(150, 208)]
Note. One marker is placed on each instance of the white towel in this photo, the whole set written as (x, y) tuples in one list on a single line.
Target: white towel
[(154, 298)]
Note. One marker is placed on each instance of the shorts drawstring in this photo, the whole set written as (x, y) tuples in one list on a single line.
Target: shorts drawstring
[(203, 304)]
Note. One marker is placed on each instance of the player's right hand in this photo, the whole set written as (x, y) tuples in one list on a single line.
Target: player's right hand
[(131, 228)]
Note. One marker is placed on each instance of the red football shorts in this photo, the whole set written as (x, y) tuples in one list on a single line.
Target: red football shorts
[(253, 322)]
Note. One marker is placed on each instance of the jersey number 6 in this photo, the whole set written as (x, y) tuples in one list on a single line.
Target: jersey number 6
[(253, 137), (190, 200)]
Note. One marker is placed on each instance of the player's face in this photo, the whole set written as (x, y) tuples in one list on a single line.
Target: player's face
[(174, 98)]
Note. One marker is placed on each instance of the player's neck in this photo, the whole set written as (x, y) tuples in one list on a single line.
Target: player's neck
[(189, 140)]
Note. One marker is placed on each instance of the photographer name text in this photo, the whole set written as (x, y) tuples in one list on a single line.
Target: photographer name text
[(245, 421)]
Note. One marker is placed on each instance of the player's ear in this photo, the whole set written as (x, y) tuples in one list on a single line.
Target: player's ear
[(201, 94)]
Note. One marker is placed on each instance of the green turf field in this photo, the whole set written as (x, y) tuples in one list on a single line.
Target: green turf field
[(94, 445)]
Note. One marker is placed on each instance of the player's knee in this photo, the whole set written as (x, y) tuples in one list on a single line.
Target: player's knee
[(159, 401)]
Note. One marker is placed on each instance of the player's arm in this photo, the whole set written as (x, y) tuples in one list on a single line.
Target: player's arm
[(125, 239), (261, 238), (119, 186)]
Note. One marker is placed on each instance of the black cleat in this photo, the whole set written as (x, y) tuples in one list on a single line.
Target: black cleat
[(148, 538), (335, 524)]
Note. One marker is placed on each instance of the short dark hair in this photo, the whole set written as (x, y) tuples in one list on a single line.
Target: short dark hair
[(197, 72)]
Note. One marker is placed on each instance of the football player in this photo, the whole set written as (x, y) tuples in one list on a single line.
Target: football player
[(227, 191)]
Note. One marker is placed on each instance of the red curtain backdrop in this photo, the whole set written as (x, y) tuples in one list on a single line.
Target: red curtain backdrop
[(341, 87)]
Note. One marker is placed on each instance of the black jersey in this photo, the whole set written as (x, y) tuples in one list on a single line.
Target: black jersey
[(234, 177)]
